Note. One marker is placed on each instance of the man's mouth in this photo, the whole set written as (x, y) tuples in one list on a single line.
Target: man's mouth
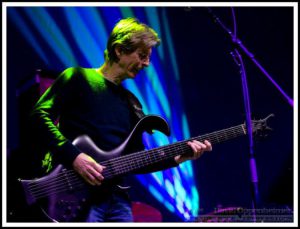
[(135, 70)]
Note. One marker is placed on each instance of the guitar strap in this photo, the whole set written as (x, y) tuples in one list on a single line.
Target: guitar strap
[(135, 105)]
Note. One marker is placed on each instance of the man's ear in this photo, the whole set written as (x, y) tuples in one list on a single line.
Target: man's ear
[(118, 51)]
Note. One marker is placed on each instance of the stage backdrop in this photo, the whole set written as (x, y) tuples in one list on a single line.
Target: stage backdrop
[(193, 82)]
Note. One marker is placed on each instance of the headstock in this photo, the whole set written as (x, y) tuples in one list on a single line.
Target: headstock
[(260, 127)]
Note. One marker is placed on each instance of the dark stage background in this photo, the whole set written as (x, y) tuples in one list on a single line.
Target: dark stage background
[(213, 99), (212, 91)]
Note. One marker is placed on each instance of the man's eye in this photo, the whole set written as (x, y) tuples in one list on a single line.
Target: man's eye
[(143, 56)]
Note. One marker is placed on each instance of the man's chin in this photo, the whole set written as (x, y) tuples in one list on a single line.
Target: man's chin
[(132, 75)]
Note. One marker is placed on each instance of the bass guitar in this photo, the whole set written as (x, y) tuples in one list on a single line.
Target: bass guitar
[(63, 195)]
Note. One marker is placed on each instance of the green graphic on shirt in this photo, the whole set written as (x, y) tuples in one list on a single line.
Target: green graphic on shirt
[(47, 162)]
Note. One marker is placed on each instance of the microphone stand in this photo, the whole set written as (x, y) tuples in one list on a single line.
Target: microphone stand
[(237, 42), (254, 178), (252, 163), (239, 61)]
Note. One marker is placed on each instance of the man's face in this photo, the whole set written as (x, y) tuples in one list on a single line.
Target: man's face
[(134, 62)]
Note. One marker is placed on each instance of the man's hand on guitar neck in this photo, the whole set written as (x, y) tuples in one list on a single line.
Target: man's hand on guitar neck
[(198, 149), (89, 169)]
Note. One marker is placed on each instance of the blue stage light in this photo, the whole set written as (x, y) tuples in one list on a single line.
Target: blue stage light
[(157, 87)]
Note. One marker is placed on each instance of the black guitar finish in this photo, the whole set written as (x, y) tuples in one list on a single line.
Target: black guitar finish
[(64, 196)]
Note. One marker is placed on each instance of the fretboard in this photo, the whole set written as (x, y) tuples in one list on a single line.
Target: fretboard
[(128, 163), (65, 179)]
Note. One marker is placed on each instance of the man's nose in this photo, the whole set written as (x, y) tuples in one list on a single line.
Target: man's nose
[(146, 62)]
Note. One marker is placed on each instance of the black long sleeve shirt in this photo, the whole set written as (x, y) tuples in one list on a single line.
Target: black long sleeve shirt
[(84, 102)]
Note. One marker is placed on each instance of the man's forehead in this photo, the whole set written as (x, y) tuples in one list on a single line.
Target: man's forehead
[(145, 49)]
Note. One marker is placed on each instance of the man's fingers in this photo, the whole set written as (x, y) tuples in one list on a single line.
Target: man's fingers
[(94, 176), (193, 146), (99, 168), (208, 144), (199, 148), (91, 179), (199, 145)]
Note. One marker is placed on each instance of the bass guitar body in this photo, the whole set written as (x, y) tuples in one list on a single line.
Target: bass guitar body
[(63, 195)]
